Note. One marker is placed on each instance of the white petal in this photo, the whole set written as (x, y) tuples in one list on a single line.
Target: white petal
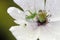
[(54, 27), (15, 13), (21, 22), (54, 7), (25, 4), (45, 34), (57, 37), (39, 5), (30, 25), (54, 19), (21, 33), (25, 33), (30, 4)]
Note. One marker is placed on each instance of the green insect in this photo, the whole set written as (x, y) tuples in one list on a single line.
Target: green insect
[(31, 16)]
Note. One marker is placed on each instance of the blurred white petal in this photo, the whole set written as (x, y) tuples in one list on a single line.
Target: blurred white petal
[(57, 37), (39, 5), (31, 5), (56, 19), (54, 27), (54, 7), (46, 34), (30, 25), (22, 33), (16, 13)]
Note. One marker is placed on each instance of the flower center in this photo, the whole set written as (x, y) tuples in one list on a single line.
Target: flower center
[(41, 17)]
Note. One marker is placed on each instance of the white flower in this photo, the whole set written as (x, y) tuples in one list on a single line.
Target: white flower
[(28, 30)]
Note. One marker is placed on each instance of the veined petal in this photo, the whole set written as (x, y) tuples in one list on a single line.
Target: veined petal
[(32, 5), (16, 13)]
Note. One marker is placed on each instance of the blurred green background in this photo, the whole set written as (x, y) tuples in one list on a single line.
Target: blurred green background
[(6, 21)]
